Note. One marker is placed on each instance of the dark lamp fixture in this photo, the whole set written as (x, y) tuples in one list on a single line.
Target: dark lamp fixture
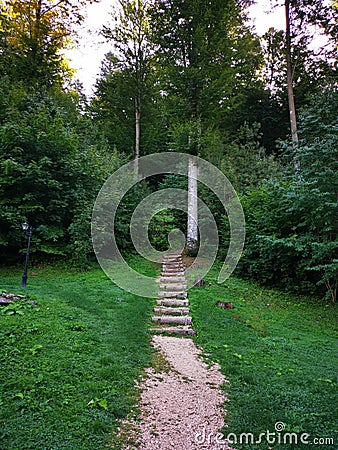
[(25, 226), (28, 230)]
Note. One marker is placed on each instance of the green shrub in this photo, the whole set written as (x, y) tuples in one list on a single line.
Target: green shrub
[(292, 227), (52, 165)]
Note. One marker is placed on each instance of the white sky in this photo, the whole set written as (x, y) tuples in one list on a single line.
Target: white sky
[(87, 56)]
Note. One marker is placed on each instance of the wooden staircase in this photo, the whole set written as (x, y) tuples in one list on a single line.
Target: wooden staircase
[(171, 313)]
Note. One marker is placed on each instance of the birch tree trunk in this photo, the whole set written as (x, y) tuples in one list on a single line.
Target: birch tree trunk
[(289, 74), (130, 35), (137, 134), (192, 225)]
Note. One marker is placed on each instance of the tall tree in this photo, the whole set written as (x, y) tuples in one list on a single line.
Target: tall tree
[(300, 19), (34, 33), (299, 60), (132, 50), (204, 68), (192, 222), (289, 77)]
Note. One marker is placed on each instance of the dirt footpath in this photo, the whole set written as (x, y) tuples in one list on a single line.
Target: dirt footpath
[(181, 405)]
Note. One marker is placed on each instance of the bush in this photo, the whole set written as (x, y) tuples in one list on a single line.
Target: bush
[(51, 164), (292, 227)]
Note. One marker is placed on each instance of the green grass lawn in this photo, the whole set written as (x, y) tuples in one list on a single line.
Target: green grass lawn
[(68, 363), (279, 353)]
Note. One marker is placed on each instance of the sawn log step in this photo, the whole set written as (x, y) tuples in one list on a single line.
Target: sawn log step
[(170, 310), (175, 294), (173, 279), (174, 330), (172, 302), (173, 264), (181, 320), (172, 274), (172, 257), (173, 287)]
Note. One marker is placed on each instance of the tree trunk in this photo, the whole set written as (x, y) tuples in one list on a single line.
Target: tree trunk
[(289, 73), (137, 134), (192, 226)]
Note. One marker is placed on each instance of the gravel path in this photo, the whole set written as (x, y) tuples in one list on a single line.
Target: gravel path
[(181, 408)]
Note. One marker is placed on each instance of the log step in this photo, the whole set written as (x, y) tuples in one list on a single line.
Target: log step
[(178, 272), (168, 310), (172, 302), (173, 263), (173, 280), (174, 330), (173, 287), (173, 269), (180, 320), (175, 294), (172, 256), (172, 274)]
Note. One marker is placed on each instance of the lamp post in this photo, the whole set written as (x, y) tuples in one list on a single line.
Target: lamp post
[(28, 229)]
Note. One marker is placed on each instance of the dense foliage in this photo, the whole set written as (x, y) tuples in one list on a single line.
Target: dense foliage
[(52, 165), (292, 232), (32, 35)]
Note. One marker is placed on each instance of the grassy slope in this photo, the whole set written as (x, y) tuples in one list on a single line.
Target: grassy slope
[(279, 353), (68, 364)]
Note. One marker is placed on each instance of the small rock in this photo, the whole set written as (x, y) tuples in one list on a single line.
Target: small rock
[(225, 305)]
